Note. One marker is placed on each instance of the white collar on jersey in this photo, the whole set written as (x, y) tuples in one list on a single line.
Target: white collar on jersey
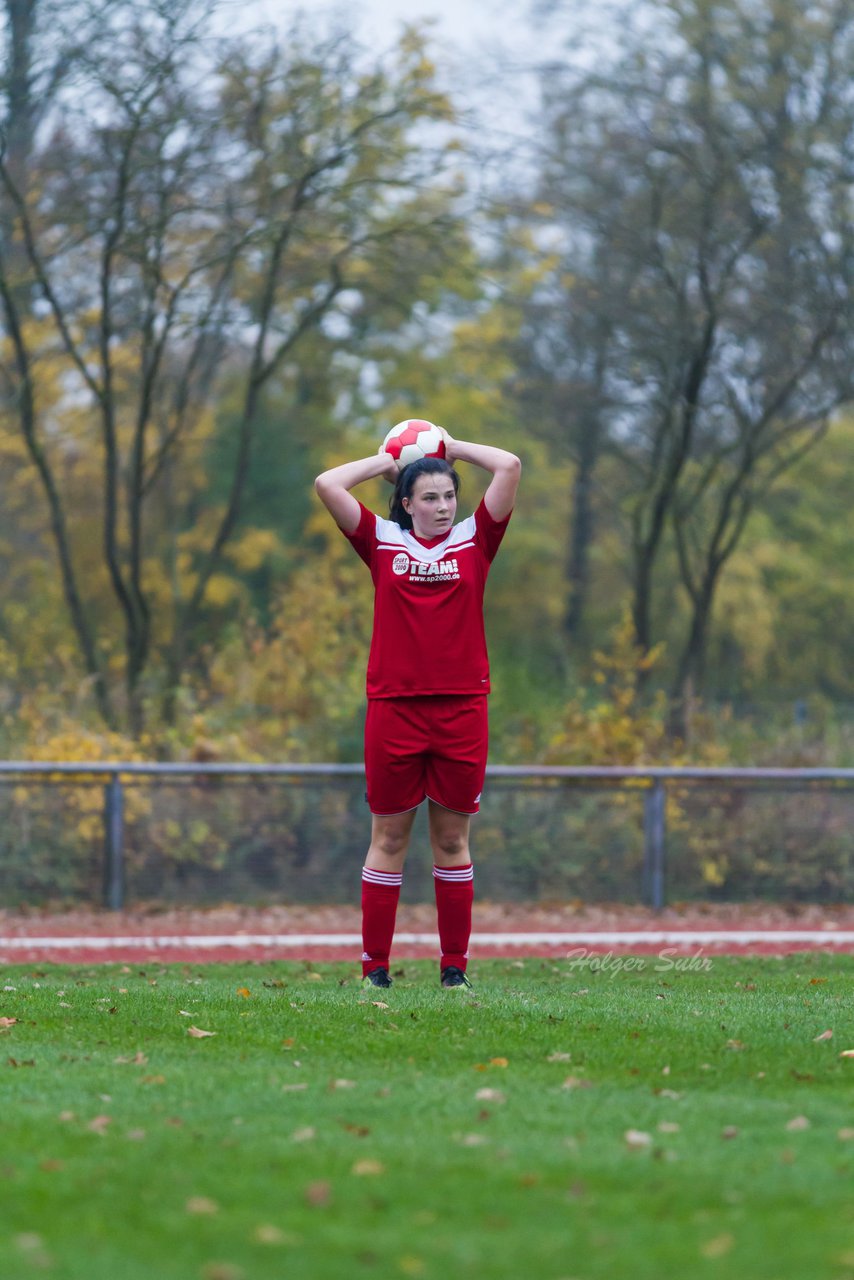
[(390, 537)]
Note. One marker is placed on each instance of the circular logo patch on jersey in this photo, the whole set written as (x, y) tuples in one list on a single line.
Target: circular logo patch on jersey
[(400, 564)]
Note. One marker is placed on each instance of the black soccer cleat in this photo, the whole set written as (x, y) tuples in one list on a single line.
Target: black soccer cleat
[(454, 977), (377, 978)]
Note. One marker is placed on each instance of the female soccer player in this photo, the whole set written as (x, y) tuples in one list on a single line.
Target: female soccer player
[(428, 677)]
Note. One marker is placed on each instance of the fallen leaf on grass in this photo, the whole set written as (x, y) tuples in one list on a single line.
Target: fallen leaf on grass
[(825, 1035), (845, 1135), (5, 1023), (367, 1168), (100, 1124), (203, 1206), (153, 1080), (730, 1131), (198, 1034), (28, 1241), (668, 1126), (490, 1095), (342, 1084), (637, 1140), (847, 1053), (244, 992), (379, 1004), (135, 1135), (140, 1060), (797, 1123), (32, 1246), (557, 1056), (575, 1082), (471, 1139), (266, 1233), (305, 1134), (718, 1246), (318, 1194), (222, 1271), (293, 1088)]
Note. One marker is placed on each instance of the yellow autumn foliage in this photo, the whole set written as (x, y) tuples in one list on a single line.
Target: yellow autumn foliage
[(248, 551), (300, 682), (621, 727), (59, 738)]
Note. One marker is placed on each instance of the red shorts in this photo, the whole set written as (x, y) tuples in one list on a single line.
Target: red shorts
[(430, 747)]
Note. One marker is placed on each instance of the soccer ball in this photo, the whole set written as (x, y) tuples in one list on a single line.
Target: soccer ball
[(412, 440)]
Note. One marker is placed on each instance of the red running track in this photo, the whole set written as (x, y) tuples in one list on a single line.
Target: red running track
[(314, 933)]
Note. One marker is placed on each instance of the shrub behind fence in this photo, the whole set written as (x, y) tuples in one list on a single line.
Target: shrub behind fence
[(297, 834)]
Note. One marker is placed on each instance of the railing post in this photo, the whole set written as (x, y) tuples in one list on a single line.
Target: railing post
[(654, 836), (114, 832)]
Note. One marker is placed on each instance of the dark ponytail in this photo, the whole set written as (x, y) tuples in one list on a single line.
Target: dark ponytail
[(406, 483)]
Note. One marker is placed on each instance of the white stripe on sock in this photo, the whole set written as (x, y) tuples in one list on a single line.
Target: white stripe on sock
[(388, 878), (453, 873)]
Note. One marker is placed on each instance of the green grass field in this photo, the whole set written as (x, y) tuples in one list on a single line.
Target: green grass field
[(556, 1122)]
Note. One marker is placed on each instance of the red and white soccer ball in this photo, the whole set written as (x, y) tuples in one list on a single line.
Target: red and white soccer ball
[(413, 439)]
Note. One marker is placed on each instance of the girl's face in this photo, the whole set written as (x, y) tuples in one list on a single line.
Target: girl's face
[(432, 506)]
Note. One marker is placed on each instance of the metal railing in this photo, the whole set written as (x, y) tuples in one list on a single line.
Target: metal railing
[(652, 781)]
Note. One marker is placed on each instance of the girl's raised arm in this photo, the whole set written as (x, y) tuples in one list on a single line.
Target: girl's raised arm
[(505, 468), (333, 486)]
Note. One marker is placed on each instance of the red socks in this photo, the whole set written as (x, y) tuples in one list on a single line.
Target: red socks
[(454, 897), (380, 894)]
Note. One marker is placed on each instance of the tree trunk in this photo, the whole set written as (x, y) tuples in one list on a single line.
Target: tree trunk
[(691, 670), (581, 532)]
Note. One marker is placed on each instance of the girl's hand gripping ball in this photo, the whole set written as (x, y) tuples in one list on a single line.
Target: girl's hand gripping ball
[(413, 439)]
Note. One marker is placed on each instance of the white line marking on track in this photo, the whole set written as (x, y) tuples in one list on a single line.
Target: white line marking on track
[(242, 941)]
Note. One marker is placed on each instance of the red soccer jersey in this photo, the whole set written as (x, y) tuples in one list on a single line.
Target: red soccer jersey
[(428, 605)]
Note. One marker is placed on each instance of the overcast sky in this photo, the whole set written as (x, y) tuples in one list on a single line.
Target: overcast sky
[(379, 21), (462, 22), (484, 49)]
